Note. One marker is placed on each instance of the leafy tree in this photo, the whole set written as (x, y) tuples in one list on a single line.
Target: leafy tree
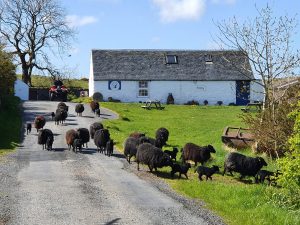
[(32, 29), (267, 42), (7, 73)]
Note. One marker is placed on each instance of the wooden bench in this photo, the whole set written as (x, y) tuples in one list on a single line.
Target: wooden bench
[(153, 104), (255, 107)]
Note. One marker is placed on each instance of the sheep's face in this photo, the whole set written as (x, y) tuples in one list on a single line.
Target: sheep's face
[(262, 161), (216, 168), (175, 149), (211, 149), (166, 160)]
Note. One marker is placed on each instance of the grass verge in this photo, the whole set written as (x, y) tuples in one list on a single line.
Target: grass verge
[(11, 123), (235, 201)]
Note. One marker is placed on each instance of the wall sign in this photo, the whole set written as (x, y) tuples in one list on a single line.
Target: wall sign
[(114, 85)]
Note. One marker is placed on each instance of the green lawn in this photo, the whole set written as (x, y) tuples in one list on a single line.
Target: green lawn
[(237, 202), (10, 120)]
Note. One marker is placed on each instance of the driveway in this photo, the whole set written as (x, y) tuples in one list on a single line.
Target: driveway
[(62, 187)]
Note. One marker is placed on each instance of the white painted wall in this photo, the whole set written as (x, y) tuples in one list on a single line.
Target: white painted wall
[(21, 90), (91, 79), (182, 91)]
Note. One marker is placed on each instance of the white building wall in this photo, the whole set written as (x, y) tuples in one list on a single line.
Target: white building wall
[(182, 91), (91, 79), (21, 90)]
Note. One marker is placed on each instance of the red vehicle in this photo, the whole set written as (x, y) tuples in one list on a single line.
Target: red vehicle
[(58, 91)]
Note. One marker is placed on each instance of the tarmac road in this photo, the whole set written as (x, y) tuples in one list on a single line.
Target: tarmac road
[(62, 187)]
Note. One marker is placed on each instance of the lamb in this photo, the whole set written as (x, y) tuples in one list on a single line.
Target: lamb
[(71, 135), (197, 153), (208, 172), (45, 138), (79, 108), (181, 169), (39, 122), (101, 137), (77, 145), (94, 105), (28, 128), (152, 156), (161, 135), (84, 135), (246, 166), (173, 153), (109, 148), (52, 115), (97, 112), (270, 176), (94, 127)]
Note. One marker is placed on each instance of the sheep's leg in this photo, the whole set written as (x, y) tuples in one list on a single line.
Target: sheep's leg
[(138, 165), (186, 176), (210, 177), (224, 171), (200, 177)]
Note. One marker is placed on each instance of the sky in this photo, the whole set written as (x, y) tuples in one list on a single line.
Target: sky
[(154, 24)]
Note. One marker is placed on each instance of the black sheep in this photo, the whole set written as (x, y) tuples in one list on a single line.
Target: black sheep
[(109, 148), (94, 127), (28, 128), (45, 138), (101, 137), (130, 147), (152, 156), (84, 135), (270, 176), (208, 172), (246, 166), (173, 153), (145, 139), (63, 106), (79, 108), (60, 116), (39, 122), (197, 153), (181, 169), (162, 136), (94, 105), (71, 135), (77, 145)]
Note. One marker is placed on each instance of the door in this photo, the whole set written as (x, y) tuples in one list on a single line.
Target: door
[(242, 92)]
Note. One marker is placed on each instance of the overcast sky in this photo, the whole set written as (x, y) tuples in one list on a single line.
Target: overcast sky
[(154, 24)]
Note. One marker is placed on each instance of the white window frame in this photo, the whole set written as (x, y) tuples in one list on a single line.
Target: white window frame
[(141, 88)]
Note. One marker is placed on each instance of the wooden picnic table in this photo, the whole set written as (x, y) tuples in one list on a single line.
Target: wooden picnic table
[(152, 104), (256, 106)]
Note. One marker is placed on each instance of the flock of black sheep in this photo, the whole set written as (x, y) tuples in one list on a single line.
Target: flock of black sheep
[(148, 151)]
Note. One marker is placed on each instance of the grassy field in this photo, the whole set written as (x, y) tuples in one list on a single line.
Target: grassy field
[(10, 120), (237, 202)]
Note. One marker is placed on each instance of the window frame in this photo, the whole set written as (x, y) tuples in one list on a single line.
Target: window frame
[(175, 58), (143, 85)]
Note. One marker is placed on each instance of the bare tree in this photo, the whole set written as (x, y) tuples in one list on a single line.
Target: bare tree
[(267, 43), (33, 29)]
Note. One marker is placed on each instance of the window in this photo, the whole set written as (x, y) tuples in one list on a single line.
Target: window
[(208, 59), (143, 89), (171, 59)]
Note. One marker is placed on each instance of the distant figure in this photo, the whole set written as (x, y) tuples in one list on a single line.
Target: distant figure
[(28, 127)]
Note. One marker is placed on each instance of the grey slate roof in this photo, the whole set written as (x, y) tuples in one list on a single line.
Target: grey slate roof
[(151, 65)]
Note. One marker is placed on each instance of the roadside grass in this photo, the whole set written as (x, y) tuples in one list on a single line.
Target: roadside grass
[(11, 123), (236, 201)]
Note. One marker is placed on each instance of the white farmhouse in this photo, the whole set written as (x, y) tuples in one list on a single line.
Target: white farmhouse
[(141, 75)]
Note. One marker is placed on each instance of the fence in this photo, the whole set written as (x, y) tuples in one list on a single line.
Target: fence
[(42, 94)]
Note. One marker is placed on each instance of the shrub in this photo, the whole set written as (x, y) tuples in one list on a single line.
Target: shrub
[(192, 102), (205, 102), (220, 103)]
